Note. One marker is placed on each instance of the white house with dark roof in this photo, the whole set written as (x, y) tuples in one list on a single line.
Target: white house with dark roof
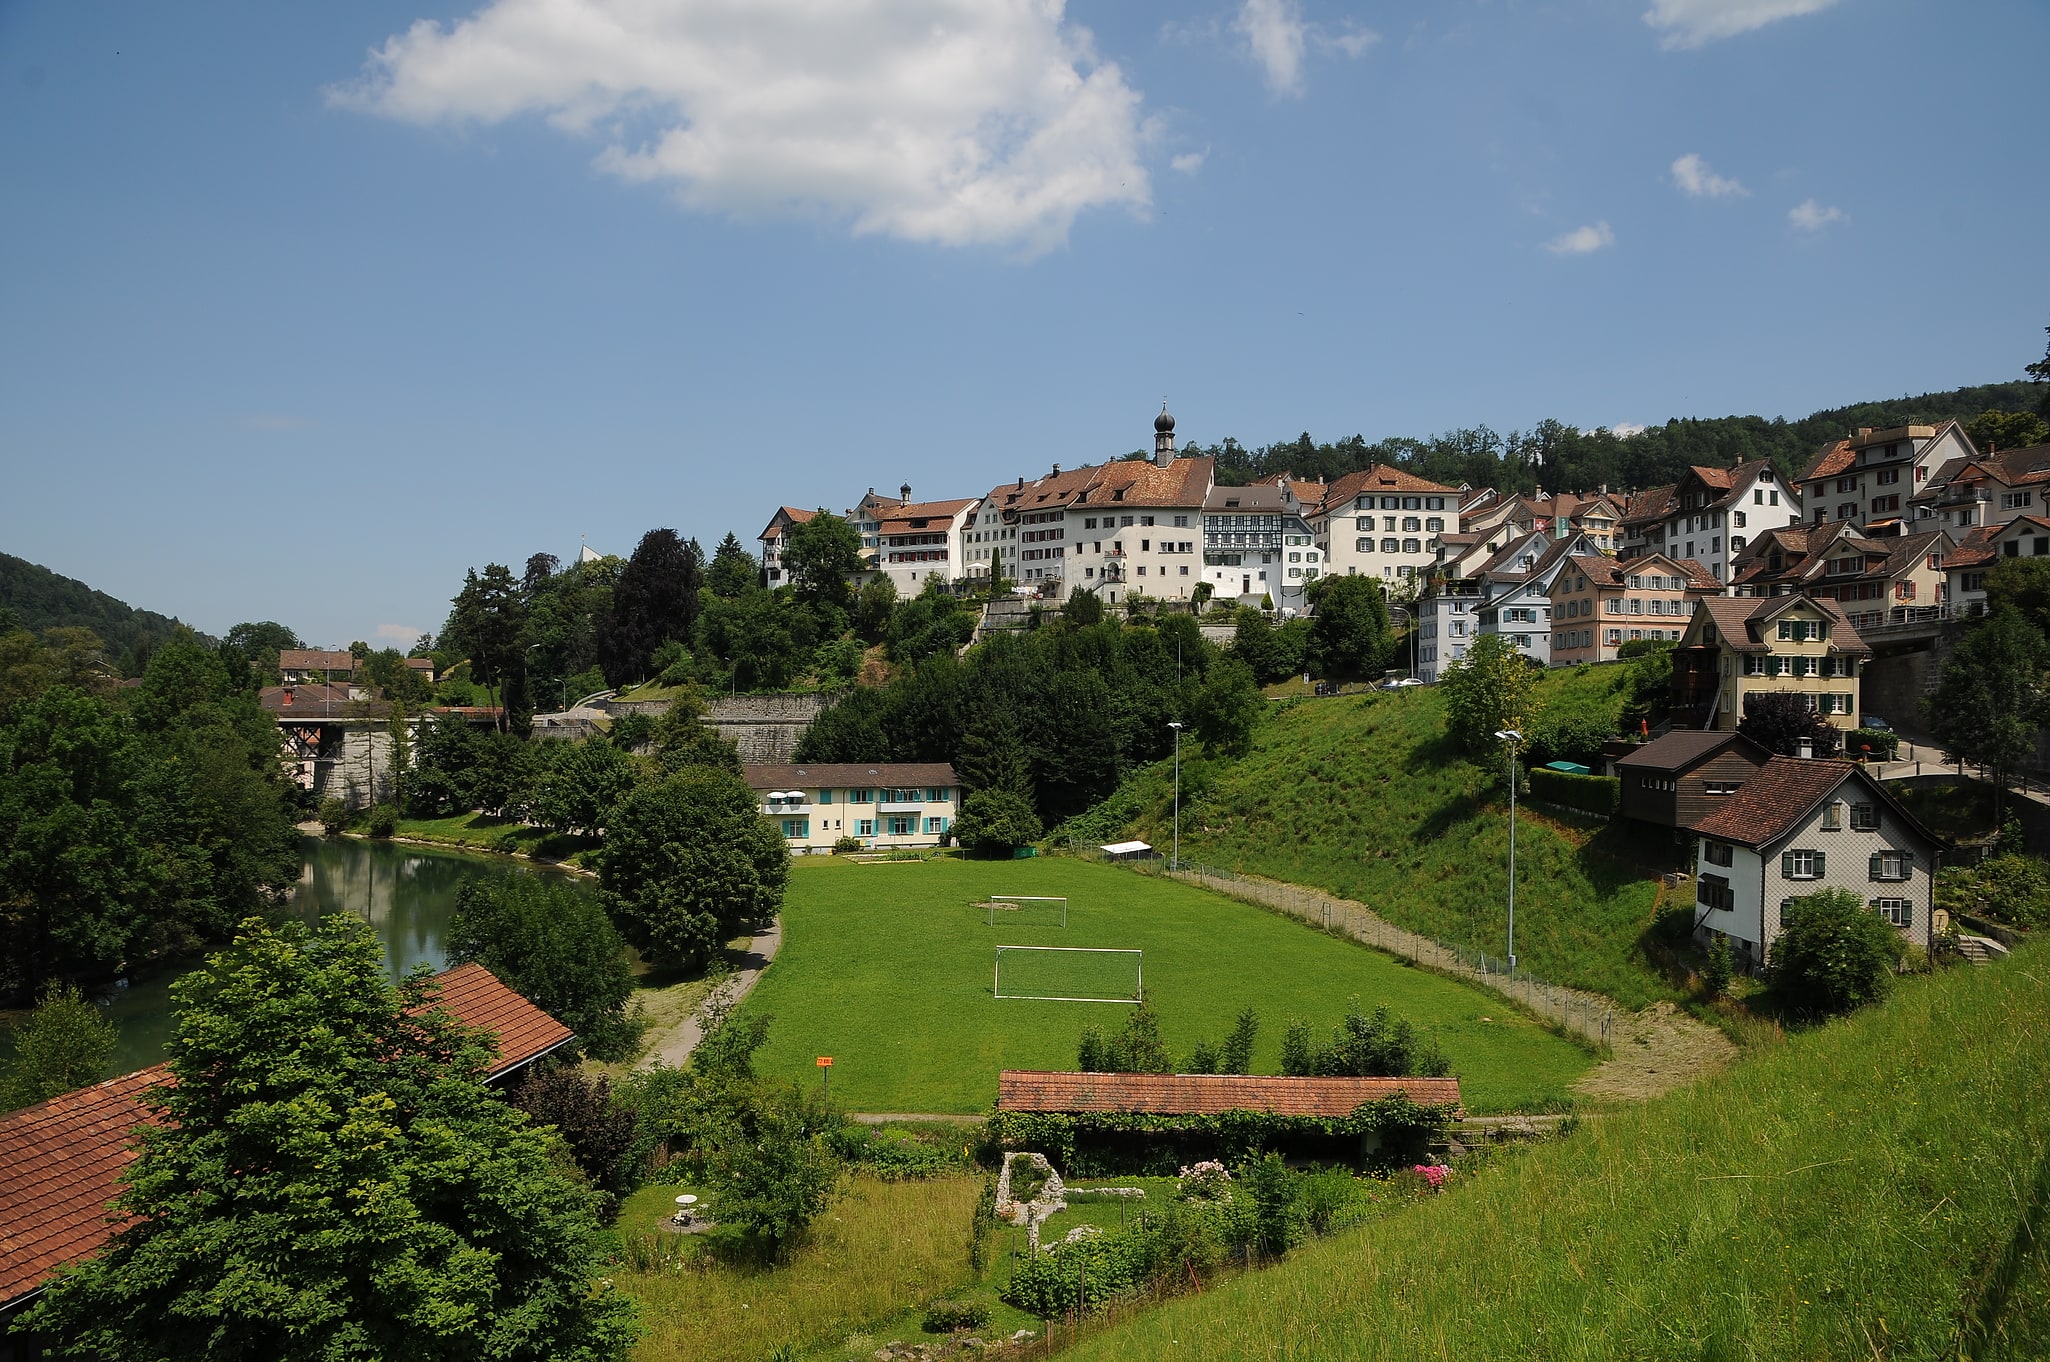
[(1257, 544), (1987, 490), (1799, 826), (882, 805), (1873, 478), (775, 538)]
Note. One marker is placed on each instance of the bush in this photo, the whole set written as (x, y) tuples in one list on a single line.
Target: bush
[(1594, 794), (1872, 742), (1833, 955), (550, 942), (1363, 1047), (334, 815), (1715, 974), (383, 821), (1575, 735), (944, 1317), (2012, 888), (599, 1130), (846, 844), (64, 1044), (995, 823)]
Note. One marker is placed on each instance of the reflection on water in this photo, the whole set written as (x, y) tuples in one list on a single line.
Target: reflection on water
[(406, 892)]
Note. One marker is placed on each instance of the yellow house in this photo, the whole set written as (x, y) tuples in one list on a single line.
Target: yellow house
[(1736, 647)]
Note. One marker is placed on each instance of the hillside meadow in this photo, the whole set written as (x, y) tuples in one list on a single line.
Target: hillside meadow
[(1363, 797), (886, 967), (1875, 1188)]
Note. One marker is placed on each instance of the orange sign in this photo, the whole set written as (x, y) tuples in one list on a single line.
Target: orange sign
[(825, 1061)]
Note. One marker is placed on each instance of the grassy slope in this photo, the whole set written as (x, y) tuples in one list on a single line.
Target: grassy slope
[(880, 1249), (1855, 1193), (1364, 797), (886, 967)]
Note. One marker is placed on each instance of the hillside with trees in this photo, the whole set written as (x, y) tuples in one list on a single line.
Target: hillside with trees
[(34, 598)]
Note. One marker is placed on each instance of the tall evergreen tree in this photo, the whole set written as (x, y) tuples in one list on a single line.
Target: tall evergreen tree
[(734, 571), (654, 601)]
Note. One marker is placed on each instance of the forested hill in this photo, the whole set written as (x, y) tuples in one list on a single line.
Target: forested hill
[(40, 599), (1559, 457)]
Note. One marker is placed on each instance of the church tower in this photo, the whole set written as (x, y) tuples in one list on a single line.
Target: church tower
[(1163, 437)]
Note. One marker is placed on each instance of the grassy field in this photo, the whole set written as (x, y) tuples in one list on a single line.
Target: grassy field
[(878, 1254), (1879, 1188), (1364, 798), (886, 967), (483, 832)]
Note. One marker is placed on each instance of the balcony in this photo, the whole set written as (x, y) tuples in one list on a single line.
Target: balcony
[(901, 806)]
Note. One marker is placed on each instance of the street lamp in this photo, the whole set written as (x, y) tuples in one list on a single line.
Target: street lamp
[(1177, 727), (1510, 740)]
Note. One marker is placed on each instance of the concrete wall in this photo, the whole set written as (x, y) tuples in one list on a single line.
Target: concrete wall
[(365, 749), (764, 727)]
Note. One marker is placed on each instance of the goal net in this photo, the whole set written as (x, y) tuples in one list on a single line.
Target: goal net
[(1028, 910), (1069, 974)]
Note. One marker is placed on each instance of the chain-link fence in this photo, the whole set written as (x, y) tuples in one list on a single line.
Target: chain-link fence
[(1587, 1015)]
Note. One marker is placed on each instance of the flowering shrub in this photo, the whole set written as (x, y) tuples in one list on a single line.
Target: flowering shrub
[(1433, 1173), (1206, 1181)]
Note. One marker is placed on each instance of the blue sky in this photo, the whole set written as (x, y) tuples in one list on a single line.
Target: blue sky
[(308, 308)]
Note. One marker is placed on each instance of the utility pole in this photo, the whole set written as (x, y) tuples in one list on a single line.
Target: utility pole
[(1511, 739), (1176, 725)]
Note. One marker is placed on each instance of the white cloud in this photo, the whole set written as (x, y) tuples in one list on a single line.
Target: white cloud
[(1693, 23), (1277, 37), (402, 634), (1697, 181), (958, 122), (1582, 240), (1811, 216), (1273, 30), (1189, 162)]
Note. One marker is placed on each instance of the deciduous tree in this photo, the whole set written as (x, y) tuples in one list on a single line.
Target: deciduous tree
[(689, 861), (1349, 633), (995, 823), (1490, 690), (64, 1044), (329, 1177), (1779, 721), (820, 556), (654, 601), (1833, 954), (1992, 698), (551, 942)]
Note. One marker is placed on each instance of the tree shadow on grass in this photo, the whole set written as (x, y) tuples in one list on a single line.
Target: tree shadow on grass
[(1993, 1326)]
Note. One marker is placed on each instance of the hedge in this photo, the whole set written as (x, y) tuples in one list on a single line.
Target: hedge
[(1404, 1129), (1880, 742), (1594, 794)]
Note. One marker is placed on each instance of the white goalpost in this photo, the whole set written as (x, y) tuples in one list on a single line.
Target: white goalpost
[(1037, 909), (1069, 974)]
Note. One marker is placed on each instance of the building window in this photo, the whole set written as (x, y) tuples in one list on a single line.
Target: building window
[(1832, 817), (1892, 865), (933, 826), (797, 827), (1718, 853), (1864, 818), (1900, 912), (861, 796), (902, 826), (1714, 893), (1801, 865), (1720, 788), (2015, 501), (865, 827)]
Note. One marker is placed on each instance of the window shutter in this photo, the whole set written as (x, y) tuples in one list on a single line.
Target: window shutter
[(1818, 865), (1787, 864), (1875, 865)]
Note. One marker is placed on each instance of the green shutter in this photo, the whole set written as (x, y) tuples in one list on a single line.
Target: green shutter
[(1818, 865), (1787, 864), (1875, 865)]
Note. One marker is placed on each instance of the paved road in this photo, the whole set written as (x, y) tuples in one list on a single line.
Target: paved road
[(675, 1047)]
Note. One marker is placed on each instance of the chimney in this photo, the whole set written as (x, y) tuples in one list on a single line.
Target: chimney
[(288, 696), (1805, 748), (1056, 470), (1021, 484)]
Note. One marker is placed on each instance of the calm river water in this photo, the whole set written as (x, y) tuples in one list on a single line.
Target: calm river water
[(406, 892)]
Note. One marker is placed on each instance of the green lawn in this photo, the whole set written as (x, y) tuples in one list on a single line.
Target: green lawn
[(484, 832), (1364, 797), (886, 967), (1875, 1188)]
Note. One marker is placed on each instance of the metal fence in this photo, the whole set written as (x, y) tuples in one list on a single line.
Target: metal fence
[(1587, 1015)]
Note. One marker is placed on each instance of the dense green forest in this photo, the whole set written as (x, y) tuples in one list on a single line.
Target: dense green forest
[(1557, 457), (40, 599)]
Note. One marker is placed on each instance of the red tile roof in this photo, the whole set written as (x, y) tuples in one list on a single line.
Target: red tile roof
[(898, 518), (1381, 478), (1205, 1094), (1780, 794), (63, 1158), (315, 660), (1831, 460)]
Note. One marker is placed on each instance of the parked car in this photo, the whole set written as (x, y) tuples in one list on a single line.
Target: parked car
[(1875, 723), (1400, 683)]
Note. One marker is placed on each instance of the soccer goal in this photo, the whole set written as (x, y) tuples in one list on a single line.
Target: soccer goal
[(1028, 910), (1070, 974)]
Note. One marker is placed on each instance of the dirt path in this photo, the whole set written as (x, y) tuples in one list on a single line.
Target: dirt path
[(1655, 1051), (674, 1047)]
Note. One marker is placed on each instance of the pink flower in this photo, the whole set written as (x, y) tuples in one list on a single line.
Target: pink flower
[(1433, 1173)]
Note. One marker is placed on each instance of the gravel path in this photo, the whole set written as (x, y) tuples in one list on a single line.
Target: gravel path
[(675, 1047)]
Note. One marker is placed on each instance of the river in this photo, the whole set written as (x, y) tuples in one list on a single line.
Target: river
[(406, 892)]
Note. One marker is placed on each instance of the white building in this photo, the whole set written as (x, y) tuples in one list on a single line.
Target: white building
[(1257, 544), (1799, 826), (881, 805), (1383, 522), (1988, 490), (1448, 621), (776, 538), (917, 540), (1873, 478), (1516, 590), (1710, 515)]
